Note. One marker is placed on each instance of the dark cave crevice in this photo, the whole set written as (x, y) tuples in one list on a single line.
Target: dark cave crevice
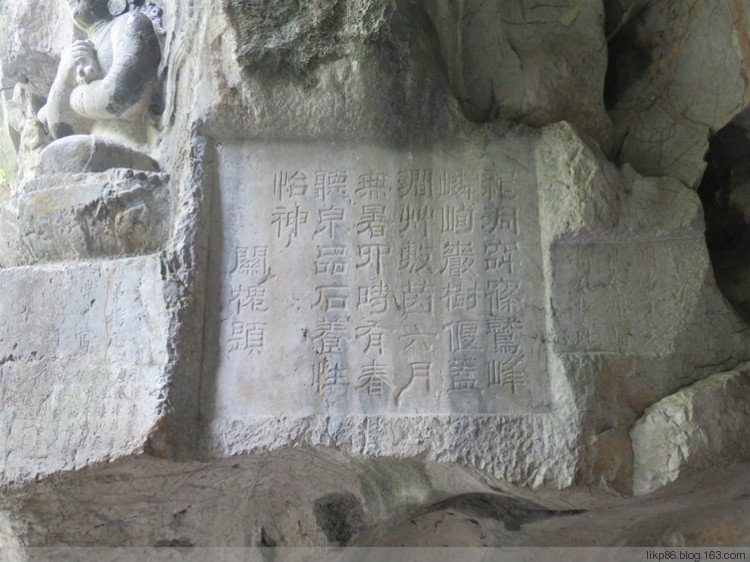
[(629, 54), (725, 194)]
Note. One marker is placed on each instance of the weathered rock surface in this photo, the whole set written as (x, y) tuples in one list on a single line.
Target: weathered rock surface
[(288, 37), (599, 380), (531, 61), (702, 510), (669, 86), (631, 291), (30, 50), (318, 89), (277, 500), (84, 382), (708, 511), (74, 216), (349, 305), (704, 425)]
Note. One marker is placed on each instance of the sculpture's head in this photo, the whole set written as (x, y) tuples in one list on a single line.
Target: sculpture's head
[(89, 12)]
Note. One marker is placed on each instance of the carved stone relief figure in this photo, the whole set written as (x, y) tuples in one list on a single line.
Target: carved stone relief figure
[(101, 93), (94, 190)]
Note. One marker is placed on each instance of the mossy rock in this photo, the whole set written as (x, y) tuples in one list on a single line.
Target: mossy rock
[(296, 36)]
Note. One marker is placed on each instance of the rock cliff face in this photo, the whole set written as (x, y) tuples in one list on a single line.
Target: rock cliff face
[(333, 266)]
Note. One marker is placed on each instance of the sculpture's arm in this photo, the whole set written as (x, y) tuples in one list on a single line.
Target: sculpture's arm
[(57, 113), (125, 91)]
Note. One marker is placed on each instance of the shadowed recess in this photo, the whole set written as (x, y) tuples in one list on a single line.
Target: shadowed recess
[(725, 194)]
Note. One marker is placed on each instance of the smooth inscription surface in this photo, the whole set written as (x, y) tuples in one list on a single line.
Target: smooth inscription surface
[(594, 288), (366, 280)]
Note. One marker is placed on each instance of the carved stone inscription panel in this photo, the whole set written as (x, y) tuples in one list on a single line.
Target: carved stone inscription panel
[(83, 348), (371, 280), (594, 287)]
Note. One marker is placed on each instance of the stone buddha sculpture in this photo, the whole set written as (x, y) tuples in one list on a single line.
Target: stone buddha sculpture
[(102, 91)]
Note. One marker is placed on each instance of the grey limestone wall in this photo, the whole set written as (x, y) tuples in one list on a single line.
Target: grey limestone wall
[(304, 270)]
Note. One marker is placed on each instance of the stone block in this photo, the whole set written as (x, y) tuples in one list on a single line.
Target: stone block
[(704, 425), (634, 312), (76, 216), (366, 280), (85, 381), (673, 87)]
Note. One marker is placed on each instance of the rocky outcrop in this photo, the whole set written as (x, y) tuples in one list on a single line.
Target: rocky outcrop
[(669, 89), (530, 61), (704, 425)]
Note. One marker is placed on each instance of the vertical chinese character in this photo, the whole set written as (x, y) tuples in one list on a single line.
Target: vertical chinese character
[(329, 219), (115, 328), (331, 260), (371, 255), (459, 221), (250, 260), (416, 182), (494, 188), (249, 337), (372, 186), (330, 183), (291, 221), (332, 298), (88, 288), (455, 183), (84, 340), (503, 297), (287, 185), (373, 221), (464, 335), (330, 335), (503, 335), (419, 376), (252, 298), (461, 295), (372, 336), (463, 373), (458, 257), (418, 298), (374, 299), (503, 220), (373, 379), (420, 370), (500, 257), (507, 373), (416, 218), (414, 257), (329, 377), (416, 340)]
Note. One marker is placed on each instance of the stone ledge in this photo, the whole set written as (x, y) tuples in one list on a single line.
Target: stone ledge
[(117, 213)]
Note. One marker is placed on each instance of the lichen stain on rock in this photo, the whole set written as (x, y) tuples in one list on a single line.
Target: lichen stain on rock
[(158, 443), (608, 462), (296, 37), (339, 515), (131, 226), (739, 14)]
